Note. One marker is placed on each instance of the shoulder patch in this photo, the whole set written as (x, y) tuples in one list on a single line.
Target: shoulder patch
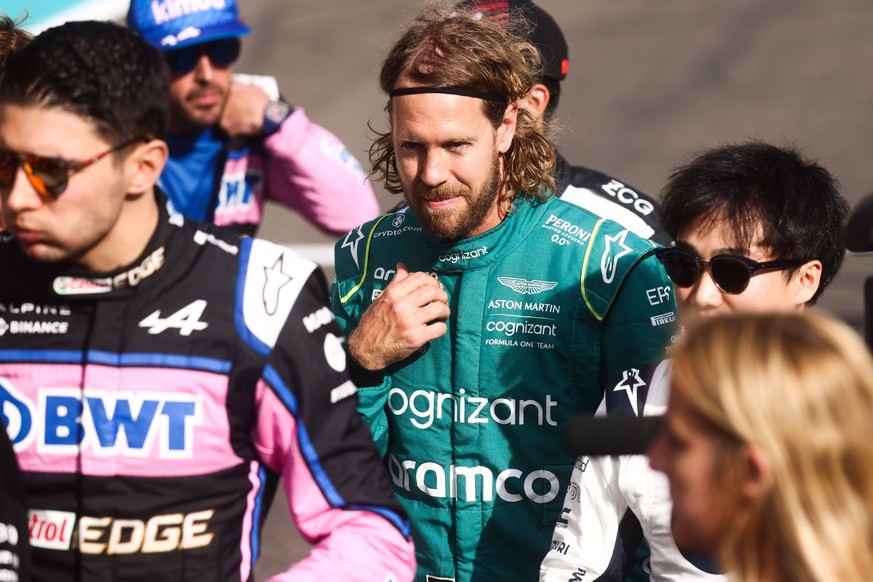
[(639, 391), (610, 256), (270, 280), (358, 241), (354, 241), (607, 208)]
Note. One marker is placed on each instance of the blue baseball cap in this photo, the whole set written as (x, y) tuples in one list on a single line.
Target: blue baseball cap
[(175, 24)]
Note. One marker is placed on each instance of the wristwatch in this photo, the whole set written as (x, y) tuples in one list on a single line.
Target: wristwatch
[(274, 114)]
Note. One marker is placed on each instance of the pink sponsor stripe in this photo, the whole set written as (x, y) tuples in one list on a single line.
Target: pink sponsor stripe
[(137, 421), (252, 503)]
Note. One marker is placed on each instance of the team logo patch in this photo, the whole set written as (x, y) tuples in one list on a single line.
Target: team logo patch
[(630, 382), (615, 250), (526, 287), (275, 280), (663, 319), (52, 530), (81, 285), (334, 353), (351, 241)]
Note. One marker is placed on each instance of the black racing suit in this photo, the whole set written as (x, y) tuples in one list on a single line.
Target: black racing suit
[(153, 409), (14, 549), (607, 197)]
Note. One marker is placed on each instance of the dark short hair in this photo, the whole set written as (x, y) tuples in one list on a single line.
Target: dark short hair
[(97, 70), (794, 202)]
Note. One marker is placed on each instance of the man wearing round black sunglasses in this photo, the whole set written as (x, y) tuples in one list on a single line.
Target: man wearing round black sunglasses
[(234, 142), (757, 228), (730, 273)]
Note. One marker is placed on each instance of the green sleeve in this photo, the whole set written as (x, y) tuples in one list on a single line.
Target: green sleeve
[(641, 322), (372, 387), (372, 401)]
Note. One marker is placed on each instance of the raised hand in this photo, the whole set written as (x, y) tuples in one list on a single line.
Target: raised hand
[(410, 312)]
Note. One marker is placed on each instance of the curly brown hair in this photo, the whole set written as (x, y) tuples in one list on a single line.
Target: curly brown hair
[(451, 48)]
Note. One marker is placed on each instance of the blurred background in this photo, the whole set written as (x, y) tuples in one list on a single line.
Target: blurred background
[(650, 83)]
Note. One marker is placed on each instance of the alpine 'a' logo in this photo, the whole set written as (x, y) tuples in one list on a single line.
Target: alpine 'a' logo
[(186, 320), (526, 287)]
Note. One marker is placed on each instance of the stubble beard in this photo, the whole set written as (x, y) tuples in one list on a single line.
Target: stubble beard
[(186, 118), (456, 223)]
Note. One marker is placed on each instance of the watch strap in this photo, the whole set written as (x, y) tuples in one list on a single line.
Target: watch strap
[(274, 114)]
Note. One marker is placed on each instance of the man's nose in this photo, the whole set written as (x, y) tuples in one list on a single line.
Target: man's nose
[(434, 168), (705, 292), (204, 70), (20, 194)]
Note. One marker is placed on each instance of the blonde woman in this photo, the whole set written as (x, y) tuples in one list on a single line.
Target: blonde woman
[(768, 446)]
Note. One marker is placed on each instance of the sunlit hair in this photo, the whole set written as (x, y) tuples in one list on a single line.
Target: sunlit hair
[(448, 47), (12, 38), (799, 387)]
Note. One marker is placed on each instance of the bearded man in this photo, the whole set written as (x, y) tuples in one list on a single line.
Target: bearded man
[(485, 314)]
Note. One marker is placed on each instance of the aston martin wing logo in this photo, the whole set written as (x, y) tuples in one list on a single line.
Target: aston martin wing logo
[(526, 287)]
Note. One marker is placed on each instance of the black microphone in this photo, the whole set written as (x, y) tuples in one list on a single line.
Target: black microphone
[(611, 435)]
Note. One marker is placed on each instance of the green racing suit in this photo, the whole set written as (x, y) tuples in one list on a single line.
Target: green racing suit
[(544, 308)]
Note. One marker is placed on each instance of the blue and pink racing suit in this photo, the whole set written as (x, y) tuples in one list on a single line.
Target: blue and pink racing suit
[(154, 408), (212, 177)]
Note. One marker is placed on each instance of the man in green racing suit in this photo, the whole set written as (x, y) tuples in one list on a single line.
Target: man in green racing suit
[(509, 320)]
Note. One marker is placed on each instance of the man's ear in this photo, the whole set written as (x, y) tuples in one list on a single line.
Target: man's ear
[(506, 130), (537, 101), (806, 280), (759, 473), (144, 166)]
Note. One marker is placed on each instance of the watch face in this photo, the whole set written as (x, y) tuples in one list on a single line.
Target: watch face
[(276, 111)]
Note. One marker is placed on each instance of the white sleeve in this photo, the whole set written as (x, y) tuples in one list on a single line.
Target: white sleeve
[(602, 490), (587, 534), (649, 493)]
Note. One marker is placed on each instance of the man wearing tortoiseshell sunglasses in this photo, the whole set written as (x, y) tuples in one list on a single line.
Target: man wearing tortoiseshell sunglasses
[(234, 142), (757, 228)]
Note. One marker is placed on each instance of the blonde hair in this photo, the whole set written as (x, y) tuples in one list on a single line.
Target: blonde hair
[(451, 48), (800, 388)]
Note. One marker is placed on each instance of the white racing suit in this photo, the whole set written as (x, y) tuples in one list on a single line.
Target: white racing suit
[(591, 539)]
